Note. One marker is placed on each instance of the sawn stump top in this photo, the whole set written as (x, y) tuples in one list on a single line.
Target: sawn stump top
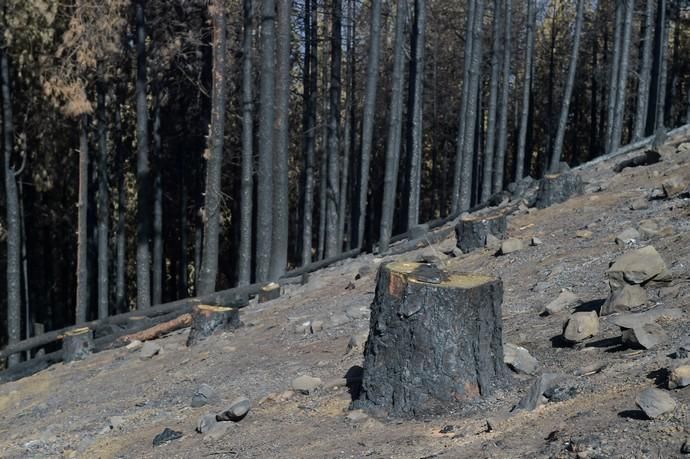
[(456, 280)]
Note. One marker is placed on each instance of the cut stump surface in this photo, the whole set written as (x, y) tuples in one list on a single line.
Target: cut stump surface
[(207, 320)]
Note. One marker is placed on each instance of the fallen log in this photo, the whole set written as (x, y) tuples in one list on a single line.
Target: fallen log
[(645, 159), (151, 333)]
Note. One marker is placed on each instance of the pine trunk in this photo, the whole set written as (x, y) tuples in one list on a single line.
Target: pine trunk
[(499, 162), (120, 237), (645, 73), (615, 74), (624, 52), (526, 92), (333, 245), (157, 259), (82, 303), (489, 150), (309, 121)]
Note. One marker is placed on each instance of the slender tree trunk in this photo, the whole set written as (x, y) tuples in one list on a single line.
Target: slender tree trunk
[(493, 96), (323, 166), (526, 91), (264, 216), (279, 244), (121, 237), (645, 73), (594, 88), (622, 87), (103, 205), (659, 121), (182, 274), (244, 258), (464, 101), (416, 95), (347, 126), (390, 180), (309, 122), (143, 169), (615, 74), (212, 205), (14, 315), (499, 162), (157, 259), (568, 91), (472, 111), (369, 114), (333, 245), (82, 303)]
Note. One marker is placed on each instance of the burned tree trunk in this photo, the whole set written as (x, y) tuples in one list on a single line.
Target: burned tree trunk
[(472, 230), (557, 188), (207, 320), (77, 344), (435, 340)]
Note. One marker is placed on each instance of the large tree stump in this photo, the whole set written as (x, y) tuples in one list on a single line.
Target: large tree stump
[(471, 230), (207, 320), (435, 340), (77, 344), (557, 188)]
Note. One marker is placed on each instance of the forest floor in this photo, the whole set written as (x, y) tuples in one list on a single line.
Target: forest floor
[(114, 403)]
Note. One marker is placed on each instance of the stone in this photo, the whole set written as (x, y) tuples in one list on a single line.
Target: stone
[(204, 395), (639, 204), (536, 241), (674, 186), (511, 246), (166, 436), (651, 228), (206, 423), (519, 359), (217, 432), (557, 188), (647, 336), (580, 326), (680, 377), (583, 234), (624, 299), (116, 422), (356, 416), (636, 267), (306, 384), (685, 449), (302, 328), (683, 147), (148, 350), (535, 394), (559, 393), (336, 320), (356, 342), (237, 410), (655, 402), (358, 312), (134, 346), (492, 242), (566, 300), (364, 270), (316, 326), (657, 193), (627, 236)]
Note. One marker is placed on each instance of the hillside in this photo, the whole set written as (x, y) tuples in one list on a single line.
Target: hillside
[(114, 403)]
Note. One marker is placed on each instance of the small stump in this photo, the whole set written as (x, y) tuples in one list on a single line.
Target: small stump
[(471, 230), (77, 344), (207, 320), (435, 340), (269, 292), (557, 188)]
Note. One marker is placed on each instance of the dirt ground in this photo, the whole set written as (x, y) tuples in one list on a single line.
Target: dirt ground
[(66, 410)]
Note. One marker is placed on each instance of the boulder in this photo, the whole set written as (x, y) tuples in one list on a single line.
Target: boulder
[(636, 267), (306, 384), (580, 326), (236, 411), (583, 234), (652, 228), (674, 186), (203, 395), (535, 394), (647, 336), (148, 350), (566, 300), (206, 423), (655, 402), (680, 377), (519, 359), (624, 299), (627, 236), (511, 245), (492, 242)]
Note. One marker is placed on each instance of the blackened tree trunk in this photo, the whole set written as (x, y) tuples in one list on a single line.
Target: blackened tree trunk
[(244, 258), (526, 91), (120, 237), (13, 271), (369, 115), (617, 131), (464, 100), (502, 142), (103, 205), (212, 205), (279, 244), (333, 245), (82, 302), (264, 208), (157, 246), (645, 73), (568, 91), (615, 74), (416, 100), (493, 96), (347, 142), (661, 55), (143, 168), (390, 180), (309, 122)]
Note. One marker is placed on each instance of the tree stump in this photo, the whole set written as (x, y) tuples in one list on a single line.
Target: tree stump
[(557, 188), (471, 230), (207, 320), (435, 340), (77, 344), (269, 292)]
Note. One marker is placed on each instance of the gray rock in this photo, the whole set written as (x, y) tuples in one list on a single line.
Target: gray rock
[(148, 350), (364, 270), (657, 193), (492, 242), (204, 395), (655, 402), (519, 359), (674, 186), (535, 394), (356, 416), (316, 326), (566, 300), (639, 204), (217, 432), (536, 241), (206, 423), (647, 336), (627, 236), (580, 326), (680, 377), (651, 228), (134, 346), (306, 384), (636, 267), (237, 410), (511, 245), (357, 342), (685, 449), (624, 299), (116, 422), (336, 320), (358, 312), (303, 328), (583, 234), (166, 436)]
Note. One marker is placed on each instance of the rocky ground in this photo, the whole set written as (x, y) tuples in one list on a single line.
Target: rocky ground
[(583, 397)]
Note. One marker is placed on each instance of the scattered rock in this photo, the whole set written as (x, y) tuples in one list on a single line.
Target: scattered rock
[(204, 395), (306, 384), (536, 241), (303, 328), (681, 353), (364, 270), (566, 300), (166, 436), (357, 342), (674, 186), (217, 432), (639, 204), (535, 394), (627, 236), (237, 410), (358, 312), (511, 245), (116, 422), (636, 267), (492, 242), (680, 377), (683, 147), (657, 193), (559, 393), (652, 228), (357, 416), (206, 423), (624, 299), (655, 402), (685, 449), (316, 326), (336, 320), (519, 359), (647, 336), (580, 326), (583, 234), (134, 346), (148, 350)]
